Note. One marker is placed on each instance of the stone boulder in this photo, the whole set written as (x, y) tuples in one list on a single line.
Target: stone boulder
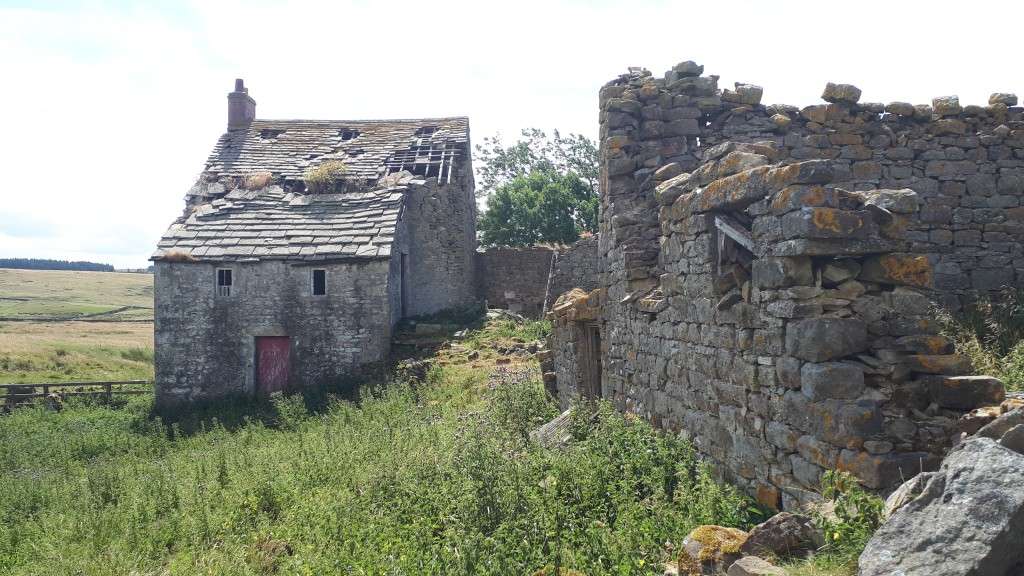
[(968, 520), (782, 535), (710, 549), (754, 566)]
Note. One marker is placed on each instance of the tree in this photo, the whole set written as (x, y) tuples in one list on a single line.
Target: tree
[(538, 189), (499, 164), (544, 206)]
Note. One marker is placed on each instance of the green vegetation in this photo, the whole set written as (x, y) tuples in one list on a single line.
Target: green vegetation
[(325, 177), (436, 477), (848, 520), (539, 189), (66, 295), (540, 207), (36, 352), (991, 332)]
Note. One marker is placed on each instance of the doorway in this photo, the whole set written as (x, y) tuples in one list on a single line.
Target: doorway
[(273, 364), (590, 362)]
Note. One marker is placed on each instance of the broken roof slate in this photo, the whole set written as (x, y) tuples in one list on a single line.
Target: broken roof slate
[(320, 226), (287, 148)]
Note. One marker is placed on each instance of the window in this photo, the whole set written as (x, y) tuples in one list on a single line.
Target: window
[(348, 134), (319, 282), (224, 282)]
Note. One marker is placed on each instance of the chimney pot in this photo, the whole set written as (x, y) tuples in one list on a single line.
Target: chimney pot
[(241, 107)]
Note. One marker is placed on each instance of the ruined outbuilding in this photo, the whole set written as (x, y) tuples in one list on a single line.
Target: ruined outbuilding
[(770, 275), (301, 246)]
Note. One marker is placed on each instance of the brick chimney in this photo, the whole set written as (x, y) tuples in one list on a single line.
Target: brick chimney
[(241, 107)]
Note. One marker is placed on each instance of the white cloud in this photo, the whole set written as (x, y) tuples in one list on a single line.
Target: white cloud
[(110, 109)]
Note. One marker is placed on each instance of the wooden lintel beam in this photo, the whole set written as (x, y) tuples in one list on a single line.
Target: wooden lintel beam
[(733, 229)]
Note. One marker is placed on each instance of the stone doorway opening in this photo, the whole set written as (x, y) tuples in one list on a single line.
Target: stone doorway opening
[(590, 361)]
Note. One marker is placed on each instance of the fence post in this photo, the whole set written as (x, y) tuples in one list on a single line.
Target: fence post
[(110, 392), (46, 390)]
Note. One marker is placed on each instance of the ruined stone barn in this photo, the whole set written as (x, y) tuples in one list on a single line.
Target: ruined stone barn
[(771, 275), (301, 246)]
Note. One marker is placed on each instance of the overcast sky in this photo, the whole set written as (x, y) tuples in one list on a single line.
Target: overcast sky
[(110, 109)]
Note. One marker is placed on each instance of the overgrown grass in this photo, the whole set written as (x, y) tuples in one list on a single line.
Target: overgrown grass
[(39, 352), (991, 332), (430, 478)]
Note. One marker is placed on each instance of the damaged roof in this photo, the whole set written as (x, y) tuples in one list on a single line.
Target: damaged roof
[(270, 223), (369, 148)]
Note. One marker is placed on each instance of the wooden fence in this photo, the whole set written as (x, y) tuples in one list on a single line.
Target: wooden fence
[(18, 393)]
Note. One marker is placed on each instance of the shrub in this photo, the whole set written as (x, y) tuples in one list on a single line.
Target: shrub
[(138, 355), (325, 177), (856, 514)]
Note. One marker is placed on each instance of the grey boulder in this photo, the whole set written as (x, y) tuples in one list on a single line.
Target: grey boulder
[(969, 520)]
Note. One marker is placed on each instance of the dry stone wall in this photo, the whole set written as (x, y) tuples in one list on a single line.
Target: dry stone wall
[(515, 279), (770, 273), (575, 266)]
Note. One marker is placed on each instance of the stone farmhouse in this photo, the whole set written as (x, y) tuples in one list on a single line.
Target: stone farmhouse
[(265, 284), (770, 276)]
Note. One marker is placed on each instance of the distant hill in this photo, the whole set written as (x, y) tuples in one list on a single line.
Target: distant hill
[(42, 264)]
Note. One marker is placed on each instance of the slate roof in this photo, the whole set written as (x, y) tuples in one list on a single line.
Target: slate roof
[(287, 148), (273, 224)]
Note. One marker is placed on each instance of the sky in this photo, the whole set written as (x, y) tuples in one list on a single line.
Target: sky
[(109, 108)]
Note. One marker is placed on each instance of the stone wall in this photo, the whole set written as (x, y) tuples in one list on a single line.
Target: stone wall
[(205, 343), (440, 224), (575, 266), (769, 272), (965, 162), (515, 279)]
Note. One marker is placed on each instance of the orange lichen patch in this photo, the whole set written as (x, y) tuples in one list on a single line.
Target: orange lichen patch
[(939, 363), (906, 269), (857, 464), (768, 496), (835, 221), (797, 196), (648, 90), (738, 188), (1011, 404), (578, 305), (783, 175)]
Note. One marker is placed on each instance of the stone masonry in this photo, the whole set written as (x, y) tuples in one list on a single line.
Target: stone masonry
[(770, 273), (302, 245), (515, 279), (575, 266)]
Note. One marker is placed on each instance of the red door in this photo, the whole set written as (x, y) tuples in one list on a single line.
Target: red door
[(273, 364)]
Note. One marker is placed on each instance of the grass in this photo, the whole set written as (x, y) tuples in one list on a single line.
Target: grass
[(991, 332), (72, 351), (435, 477), (58, 294)]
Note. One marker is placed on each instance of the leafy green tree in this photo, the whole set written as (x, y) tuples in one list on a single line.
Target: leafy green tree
[(499, 164), (539, 189), (543, 206)]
